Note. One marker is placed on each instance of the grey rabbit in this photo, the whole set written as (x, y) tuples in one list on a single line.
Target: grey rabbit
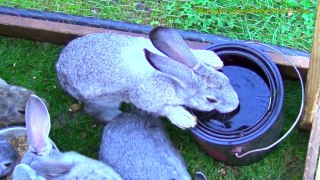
[(137, 146), (8, 155), (25, 172), (43, 160), (161, 76), (12, 103)]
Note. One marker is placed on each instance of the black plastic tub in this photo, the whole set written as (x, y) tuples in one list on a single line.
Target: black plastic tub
[(257, 122)]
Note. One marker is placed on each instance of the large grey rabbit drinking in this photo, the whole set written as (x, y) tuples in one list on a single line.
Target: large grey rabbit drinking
[(8, 154), (137, 146), (161, 76), (43, 160)]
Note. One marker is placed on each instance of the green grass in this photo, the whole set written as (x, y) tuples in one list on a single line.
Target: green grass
[(31, 64), (34, 69), (283, 22)]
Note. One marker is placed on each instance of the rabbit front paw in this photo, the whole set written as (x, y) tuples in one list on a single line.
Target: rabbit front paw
[(181, 117)]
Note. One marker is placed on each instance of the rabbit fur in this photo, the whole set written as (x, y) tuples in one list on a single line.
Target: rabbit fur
[(137, 146), (8, 154), (12, 103), (25, 172), (161, 76), (44, 160)]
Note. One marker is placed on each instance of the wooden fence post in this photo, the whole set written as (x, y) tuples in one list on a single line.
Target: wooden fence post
[(313, 78)]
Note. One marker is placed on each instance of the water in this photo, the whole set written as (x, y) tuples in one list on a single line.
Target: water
[(254, 96)]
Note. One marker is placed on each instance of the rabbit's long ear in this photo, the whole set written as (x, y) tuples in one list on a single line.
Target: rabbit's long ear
[(170, 67), (3, 82), (209, 58), (38, 126), (53, 168), (23, 171), (169, 42), (7, 134)]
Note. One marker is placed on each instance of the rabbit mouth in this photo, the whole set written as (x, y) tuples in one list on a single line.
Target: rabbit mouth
[(227, 109), (214, 114)]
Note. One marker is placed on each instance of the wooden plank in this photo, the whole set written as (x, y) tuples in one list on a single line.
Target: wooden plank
[(61, 33), (54, 32), (313, 78), (318, 170), (314, 142)]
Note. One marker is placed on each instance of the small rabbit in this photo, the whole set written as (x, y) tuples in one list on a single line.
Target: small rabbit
[(12, 103), (161, 76), (43, 158), (8, 154), (137, 146)]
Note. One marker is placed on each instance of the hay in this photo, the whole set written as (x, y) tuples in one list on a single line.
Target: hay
[(21, 146)]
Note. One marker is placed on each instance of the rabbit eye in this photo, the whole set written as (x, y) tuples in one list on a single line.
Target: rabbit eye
[(21, 111), (7, 164), (212, 100)]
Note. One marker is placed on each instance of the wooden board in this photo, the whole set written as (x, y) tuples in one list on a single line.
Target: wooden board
[(314, 142), (318, 170), (61, 33), (54, 32), (313, 78)]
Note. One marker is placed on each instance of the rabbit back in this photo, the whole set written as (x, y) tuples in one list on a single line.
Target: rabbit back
[(110, 63), (138, 147)]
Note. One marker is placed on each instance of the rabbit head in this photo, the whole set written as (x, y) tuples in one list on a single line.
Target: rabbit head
[(203, 87), (137, 146), (44, 158), (12, 104), (8, 155)]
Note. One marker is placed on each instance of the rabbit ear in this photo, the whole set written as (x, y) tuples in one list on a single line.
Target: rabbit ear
[(3, 82), (52, 167), (170, 67), (200, 176), (169, 42), (209, 58), (23, 171), (7, 134), (38, 126)]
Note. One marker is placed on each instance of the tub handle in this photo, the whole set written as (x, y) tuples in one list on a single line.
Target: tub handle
[(241, 155)]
